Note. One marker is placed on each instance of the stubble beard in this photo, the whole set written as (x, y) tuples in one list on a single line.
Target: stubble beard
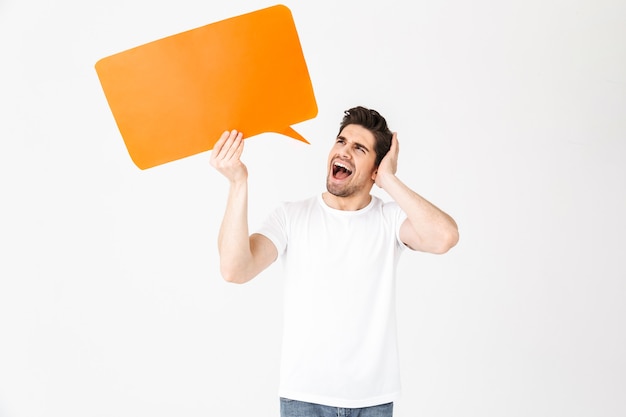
[(340, 191)]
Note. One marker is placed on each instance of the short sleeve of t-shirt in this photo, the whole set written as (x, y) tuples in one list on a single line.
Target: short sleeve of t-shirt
[(393, 211), (274, 228)]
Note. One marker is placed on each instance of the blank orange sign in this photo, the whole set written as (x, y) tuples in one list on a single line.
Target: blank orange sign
[(173, 97)]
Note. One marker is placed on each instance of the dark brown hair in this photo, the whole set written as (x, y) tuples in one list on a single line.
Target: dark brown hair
[(375, 123)]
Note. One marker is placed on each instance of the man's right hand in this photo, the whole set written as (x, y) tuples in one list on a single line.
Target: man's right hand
[(226, 155)]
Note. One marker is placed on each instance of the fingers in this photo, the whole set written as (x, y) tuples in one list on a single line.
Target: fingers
[(234, 145), (394, 150), (229, 145), (239, 149), (220, 142)]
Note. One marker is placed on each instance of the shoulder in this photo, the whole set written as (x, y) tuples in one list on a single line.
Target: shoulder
[(387, 207), (286, 211), (299, 205), (391, 212)]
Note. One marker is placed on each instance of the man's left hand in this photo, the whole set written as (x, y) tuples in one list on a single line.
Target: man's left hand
[(389, 164)]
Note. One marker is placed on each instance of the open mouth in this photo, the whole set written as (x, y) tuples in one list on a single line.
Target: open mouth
[(341, 171)]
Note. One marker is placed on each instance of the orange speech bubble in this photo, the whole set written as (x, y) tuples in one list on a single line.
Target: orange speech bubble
[(173, 97)]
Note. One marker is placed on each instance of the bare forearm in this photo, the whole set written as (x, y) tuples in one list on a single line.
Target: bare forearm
[(233, 239), (432, 230)]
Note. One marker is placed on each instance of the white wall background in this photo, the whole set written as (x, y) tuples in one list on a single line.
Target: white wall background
[(511, 117)]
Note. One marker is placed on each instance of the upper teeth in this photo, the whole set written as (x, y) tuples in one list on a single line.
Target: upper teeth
[(339, 164)]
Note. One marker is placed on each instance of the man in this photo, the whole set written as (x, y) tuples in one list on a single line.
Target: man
[(340, 250)]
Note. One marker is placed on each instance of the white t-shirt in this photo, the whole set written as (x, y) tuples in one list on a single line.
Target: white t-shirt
[(339, 339)]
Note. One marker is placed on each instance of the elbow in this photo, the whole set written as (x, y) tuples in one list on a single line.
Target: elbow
[(233, 275), (232, 279), (447, 242)]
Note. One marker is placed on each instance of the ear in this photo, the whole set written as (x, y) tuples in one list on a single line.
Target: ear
[(374, 173)]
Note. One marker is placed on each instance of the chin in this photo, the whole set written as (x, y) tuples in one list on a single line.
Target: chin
[(339, 192)]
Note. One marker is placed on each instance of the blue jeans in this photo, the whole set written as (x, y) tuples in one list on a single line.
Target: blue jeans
[(293, 408)]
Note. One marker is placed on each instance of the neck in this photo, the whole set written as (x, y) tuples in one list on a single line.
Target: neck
[(351, 203)]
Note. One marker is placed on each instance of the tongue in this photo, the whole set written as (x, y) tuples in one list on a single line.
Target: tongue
[(341, 174)]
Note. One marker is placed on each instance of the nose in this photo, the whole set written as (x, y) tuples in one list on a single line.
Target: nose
[(344, 153)]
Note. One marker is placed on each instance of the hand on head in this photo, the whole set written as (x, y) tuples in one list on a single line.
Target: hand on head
[(389, 164)]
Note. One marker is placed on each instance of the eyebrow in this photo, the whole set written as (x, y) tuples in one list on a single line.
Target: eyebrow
[(357, 144)]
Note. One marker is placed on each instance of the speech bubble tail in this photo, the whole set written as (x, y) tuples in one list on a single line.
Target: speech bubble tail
[(288, 131)]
